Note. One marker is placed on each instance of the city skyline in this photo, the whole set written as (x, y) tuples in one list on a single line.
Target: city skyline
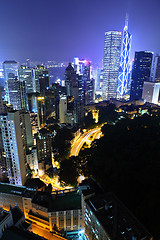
[(83, 25)]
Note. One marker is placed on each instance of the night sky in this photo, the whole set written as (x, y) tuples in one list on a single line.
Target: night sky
[(63, 29)]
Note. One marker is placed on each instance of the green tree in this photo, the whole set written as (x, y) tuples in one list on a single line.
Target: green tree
[(89, 122), (69, 171), (107, 113), (61, 142)]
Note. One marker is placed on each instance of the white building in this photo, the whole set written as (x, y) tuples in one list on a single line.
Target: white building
[(32, 159), (12, 125), (62, 109), (151, 92), (12, 84)]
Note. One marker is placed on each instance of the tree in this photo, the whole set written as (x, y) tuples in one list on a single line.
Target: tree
[(107, 113), (62, 143), (49, 188), (69, 171), (89, 122), (126, 162)]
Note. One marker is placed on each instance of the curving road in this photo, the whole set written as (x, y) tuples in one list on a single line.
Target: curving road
[(88, 137)]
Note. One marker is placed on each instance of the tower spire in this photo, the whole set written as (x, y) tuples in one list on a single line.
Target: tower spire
[(126, 21)]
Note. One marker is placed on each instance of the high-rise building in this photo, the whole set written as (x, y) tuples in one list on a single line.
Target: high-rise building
[(44, 145), (40, 78), (75, 92), (25, 75), (124, 69), (96, 76), (142, 71), (71, 82), (112, 49), (12, 84), (1, 102), (85, 81), (151, 88), (14, 133), (156, 69), (24, 96)]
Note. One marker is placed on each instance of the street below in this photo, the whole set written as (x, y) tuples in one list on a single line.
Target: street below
[(86, 137)]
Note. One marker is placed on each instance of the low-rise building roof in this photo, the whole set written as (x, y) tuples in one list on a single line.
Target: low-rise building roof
[(64, 202)]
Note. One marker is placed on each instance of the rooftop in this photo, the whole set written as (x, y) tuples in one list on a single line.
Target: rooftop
[(17, 214), (118, 222), (19, 234), (67, 201), (3, 214), (16, 190), (11, 189)]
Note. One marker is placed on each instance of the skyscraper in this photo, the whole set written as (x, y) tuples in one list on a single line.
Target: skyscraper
[(142, 71), (85, 81), (124, 69), (112, 48), (151, 87), (156, 69), (25, 75), (12, 85), (1, 102), (40, 78), (71, 82), (12, 125)]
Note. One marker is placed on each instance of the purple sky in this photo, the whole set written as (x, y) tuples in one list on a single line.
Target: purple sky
[(63, 29)]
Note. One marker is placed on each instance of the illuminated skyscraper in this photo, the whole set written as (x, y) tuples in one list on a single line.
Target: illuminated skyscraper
[(124, 69), (40, 78), (25, 75), (86, 83), (112, 49), (12, 84)]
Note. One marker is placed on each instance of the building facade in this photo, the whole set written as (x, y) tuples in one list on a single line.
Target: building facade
[(142, 71), (106, 218), (151, 92), (111, 60), (25, 75), (40, 78), (14, 138), (12, 84)]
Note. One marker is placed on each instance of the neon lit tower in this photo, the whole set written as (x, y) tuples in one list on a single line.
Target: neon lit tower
[(124, 69)]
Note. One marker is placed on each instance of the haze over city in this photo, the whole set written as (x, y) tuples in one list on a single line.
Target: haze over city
[(62, 30)]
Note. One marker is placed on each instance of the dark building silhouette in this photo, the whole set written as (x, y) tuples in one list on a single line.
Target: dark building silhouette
[(141, 72), (74, 89), (71, 82), (157, 69)]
